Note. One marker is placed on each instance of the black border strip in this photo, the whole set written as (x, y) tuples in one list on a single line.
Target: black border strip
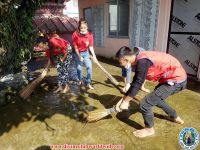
[(188, 33)]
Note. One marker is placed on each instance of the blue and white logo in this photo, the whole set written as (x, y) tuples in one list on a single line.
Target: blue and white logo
[(189, 138)]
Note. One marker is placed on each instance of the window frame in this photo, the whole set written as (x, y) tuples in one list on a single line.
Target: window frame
[(118, 22)]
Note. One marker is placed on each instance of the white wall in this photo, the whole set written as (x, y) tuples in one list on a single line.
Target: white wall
[(163, 25), (71, 9)]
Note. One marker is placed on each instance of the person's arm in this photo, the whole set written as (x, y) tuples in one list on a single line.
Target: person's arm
[(138, 79), (77, 53), (65, 52), (63, 58), (49, 52), (91, 48), (49, 59)]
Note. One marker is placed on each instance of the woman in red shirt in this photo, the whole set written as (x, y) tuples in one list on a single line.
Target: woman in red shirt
[(58, 51), (82, 41)]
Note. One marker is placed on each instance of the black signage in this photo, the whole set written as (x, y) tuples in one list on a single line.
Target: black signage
[(191, 65), (179, 21), (174, 42), (194, 41), (198, 16)]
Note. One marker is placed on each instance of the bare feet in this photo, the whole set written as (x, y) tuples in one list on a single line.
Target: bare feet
[(176, 120), (90, 87), (58, 90), (144, 132), (81, 83)]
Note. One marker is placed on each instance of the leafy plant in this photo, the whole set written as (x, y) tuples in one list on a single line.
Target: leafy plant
[(16, 32)]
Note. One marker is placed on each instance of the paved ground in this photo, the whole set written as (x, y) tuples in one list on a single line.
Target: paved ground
[(47, 119)]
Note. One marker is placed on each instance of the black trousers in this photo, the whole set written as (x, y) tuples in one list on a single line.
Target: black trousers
[(157, 98)]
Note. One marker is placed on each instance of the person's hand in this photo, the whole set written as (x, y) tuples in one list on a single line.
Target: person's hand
[(44, 73), (95, 59), (122, 105), (61, 60), (81, 58), (126, 88), (118, 104)]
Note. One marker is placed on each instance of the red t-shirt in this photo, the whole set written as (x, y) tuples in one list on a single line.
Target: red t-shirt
[(57, 46), (82, 41)]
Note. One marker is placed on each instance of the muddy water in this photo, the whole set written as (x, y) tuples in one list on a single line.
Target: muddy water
[(47, 118)]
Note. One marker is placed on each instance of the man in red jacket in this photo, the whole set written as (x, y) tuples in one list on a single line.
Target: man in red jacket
[(153, 66)]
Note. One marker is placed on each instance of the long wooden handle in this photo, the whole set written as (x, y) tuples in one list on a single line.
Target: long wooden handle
[(116, 83), (112, 79), (26, 91)]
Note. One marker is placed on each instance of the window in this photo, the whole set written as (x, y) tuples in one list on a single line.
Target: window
[(118, 17)]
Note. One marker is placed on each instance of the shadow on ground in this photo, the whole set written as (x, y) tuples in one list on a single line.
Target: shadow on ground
[(193, 85), (47, 118), (44, 104), (44, 147)]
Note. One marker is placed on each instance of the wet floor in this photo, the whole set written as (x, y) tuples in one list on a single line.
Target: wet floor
[(47, 118)]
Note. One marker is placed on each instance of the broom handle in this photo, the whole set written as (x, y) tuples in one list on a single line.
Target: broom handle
[(115, 82), (25, 92), (46, 69), (112, 79)]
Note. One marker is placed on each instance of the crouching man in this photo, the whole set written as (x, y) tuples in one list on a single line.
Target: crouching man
[(153, 66)]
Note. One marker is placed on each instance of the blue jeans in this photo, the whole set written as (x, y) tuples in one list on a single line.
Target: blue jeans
[(87, 62), (127, 74)]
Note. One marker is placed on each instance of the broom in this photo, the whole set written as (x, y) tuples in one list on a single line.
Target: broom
[(96, 115), (101, 113), (112, 79), (26, 91)]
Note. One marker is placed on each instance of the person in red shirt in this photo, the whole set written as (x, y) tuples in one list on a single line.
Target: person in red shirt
[(82, 41), (157, 67), (59, 52)]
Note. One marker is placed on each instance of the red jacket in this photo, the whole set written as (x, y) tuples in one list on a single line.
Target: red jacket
[(165, 67), (57, 46)]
